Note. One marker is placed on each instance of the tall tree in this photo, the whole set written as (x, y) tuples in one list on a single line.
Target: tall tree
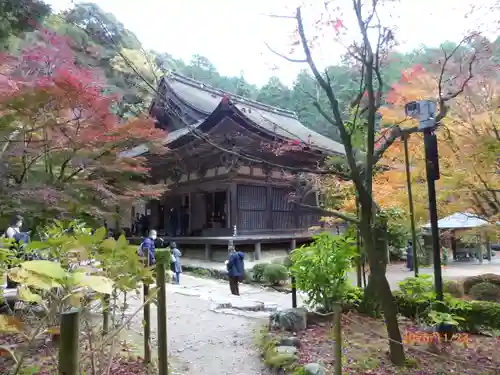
[(65, 150), (275, 93), (17, 16), (367, 53)]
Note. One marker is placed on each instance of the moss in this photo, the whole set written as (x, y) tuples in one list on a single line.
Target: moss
[(267, 343), (300, 371)]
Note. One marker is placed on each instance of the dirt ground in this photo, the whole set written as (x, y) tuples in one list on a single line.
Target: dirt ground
[(365, 350)]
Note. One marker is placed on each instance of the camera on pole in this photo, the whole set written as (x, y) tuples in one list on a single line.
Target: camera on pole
[(425, 112)]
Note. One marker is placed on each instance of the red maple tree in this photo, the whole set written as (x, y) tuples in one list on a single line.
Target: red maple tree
[(63, 148)]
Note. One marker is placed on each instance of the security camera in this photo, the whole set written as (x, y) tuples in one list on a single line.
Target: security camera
[(422, 110)]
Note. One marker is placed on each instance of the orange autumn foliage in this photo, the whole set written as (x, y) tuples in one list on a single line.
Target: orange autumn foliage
[(469, 149)]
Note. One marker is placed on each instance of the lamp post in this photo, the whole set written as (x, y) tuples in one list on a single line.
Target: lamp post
[(410, 202), (425, 112)]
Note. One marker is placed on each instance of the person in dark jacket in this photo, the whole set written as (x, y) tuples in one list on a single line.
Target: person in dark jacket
[(409, 256), (147, 248), (235, 270)]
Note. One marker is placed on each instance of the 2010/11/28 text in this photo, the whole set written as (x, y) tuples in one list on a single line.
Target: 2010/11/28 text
[(425, 337)]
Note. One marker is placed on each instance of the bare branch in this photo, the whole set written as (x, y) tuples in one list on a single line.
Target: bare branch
[(390, 137), (325, 212), (301, 61), (443, 99)]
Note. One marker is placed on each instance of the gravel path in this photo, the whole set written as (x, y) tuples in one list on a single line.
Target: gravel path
[(210, 343), (203, 339)]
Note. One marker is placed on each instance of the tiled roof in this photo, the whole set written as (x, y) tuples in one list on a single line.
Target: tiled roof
[(284, 123)]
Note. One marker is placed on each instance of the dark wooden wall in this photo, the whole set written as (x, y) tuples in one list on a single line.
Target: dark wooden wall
[(268, 209)]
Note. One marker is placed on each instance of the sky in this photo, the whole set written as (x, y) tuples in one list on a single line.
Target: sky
[(233, 34)]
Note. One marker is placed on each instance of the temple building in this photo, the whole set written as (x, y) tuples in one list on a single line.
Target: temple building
[(235, 169)]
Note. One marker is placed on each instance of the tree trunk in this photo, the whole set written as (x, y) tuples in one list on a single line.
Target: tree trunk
[(375, 248)]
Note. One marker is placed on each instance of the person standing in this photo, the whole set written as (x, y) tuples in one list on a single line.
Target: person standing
[(176, 262), (14, 232), (235, 270), (409, 256), (147, 248)]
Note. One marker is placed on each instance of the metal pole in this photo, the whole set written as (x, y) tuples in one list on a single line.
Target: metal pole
[(432, 175), (147, 323), (410, 202), (293, 245)]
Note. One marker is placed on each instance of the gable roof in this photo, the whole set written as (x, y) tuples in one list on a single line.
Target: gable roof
[(206, 99)]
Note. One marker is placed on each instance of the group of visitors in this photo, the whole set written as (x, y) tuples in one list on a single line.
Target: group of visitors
[(147, 250), (235, 264)]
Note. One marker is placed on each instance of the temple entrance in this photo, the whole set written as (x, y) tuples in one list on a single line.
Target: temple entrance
[(216, 209)]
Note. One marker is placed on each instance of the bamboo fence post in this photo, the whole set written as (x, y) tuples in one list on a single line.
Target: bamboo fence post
[(69, 350), (161, 283), (338, 338)]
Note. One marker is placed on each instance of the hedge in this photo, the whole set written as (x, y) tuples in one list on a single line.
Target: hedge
[(476, 314)]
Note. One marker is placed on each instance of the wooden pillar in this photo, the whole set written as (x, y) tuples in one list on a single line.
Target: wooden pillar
[(208, 252), (155, 214), (293, 246), (190, 212), (269, 207), (233, 204), (258, 251)]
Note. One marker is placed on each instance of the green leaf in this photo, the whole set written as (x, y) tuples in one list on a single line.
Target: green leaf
[(25, 294), (99, 284), (46, 268), (108, 244), (122, 242), (100, 235)]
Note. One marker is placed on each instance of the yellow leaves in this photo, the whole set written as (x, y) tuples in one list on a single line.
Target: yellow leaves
[(32, 279), (45, 268), (99, 284), (25, 294), (10, 324)]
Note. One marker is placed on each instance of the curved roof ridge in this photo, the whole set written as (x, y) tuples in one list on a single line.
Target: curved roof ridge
[(234, 98)]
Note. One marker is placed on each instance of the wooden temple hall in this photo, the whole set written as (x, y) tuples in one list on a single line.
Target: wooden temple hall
[(224, 171)]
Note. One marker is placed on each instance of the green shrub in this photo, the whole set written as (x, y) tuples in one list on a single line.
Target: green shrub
[(418, 288), (485, 291), (258, 271), (455, 288), (475, 314), (321, 269), (275, 274), (473, 280)]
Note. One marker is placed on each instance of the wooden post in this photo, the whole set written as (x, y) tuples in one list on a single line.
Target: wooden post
[(258, 250), (208, 252), (293, 246), (147, 324), (105, 314), (69, 351), (488, 246), (358, 245), (338, 339), (161, 284)]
